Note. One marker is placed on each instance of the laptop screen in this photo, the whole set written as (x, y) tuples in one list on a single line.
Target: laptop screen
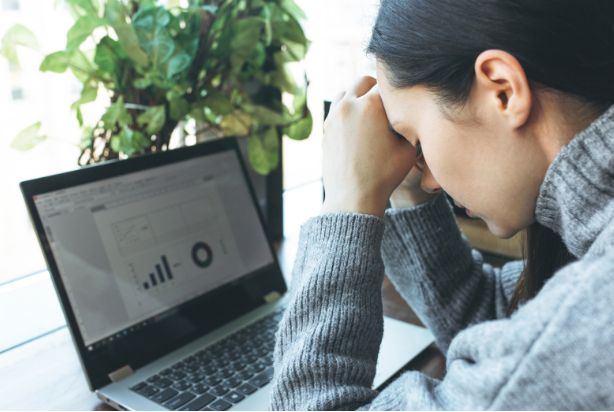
[(132, 247)]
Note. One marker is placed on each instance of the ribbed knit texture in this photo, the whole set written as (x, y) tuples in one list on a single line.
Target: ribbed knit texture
[(554, 352)]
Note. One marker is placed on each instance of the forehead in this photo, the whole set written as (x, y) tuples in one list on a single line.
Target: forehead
[(400, 103)]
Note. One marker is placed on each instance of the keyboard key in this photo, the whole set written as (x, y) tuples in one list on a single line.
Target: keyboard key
[(238, 365), (263, 378), (163, 383), (139, 386), (199, 388), (181, 386), (212, 380), (180, 400), (226, 373), (176, 376), (219, 390), (247, 389), (165, 395), (148, 391), (199, 403), (245, 374), (259, 366), (268, 373), (153, 378), (234, 397), (232, 382), (220, 405)]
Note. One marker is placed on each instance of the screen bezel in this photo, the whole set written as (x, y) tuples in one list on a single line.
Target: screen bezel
[(183, 323)]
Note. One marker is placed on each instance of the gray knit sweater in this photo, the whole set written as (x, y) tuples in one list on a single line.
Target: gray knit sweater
[(555, 352)]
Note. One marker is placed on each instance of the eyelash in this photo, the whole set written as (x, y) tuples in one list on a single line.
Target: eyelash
[(418, 145)]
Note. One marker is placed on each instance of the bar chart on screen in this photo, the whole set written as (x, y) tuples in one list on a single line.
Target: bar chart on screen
[(162, 274)]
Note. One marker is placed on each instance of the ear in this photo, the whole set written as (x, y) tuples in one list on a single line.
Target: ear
[(502, 81)]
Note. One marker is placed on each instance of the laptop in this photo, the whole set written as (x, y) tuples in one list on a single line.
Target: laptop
[(171, 291)]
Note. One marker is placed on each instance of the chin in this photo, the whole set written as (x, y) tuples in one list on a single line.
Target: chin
[(501, 231)]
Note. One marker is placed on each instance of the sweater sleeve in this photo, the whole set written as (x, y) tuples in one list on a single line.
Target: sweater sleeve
[(335, 297), (432, 266)]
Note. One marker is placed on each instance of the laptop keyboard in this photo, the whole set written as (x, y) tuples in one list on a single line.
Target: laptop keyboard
[(220, 375)]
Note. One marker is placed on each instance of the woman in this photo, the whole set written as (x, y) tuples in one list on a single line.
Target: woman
[(506, 106)]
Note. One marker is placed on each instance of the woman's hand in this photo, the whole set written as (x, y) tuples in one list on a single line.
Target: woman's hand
[(363, 159)]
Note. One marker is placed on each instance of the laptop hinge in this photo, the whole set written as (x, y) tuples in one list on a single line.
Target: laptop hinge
[(271, 297), (121, 373)]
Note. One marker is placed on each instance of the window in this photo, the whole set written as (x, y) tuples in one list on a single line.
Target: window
[(339, 33), (10, 5)]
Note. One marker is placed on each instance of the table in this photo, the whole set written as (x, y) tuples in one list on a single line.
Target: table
[(45, 373)]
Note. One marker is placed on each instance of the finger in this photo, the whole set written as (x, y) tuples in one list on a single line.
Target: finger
[(362, 86), (337, 99), (374, 91)]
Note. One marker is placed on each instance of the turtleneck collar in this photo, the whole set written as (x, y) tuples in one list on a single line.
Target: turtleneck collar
[(576, 199)]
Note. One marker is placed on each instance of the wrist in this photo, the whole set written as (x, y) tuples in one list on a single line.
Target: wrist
[(409, 199), (354, 205)]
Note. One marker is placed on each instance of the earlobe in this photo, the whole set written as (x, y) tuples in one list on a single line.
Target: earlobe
[(501, 77)]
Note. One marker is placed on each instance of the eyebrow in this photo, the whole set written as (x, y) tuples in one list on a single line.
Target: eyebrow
[(391, 128)]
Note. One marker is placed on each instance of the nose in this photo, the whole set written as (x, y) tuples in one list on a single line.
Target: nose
[(428, 182)]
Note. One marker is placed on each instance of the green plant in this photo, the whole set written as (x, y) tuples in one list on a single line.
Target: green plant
[(219, 64)]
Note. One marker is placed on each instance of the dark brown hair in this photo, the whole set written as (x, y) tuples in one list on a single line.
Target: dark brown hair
[(565, 45), (544, 253)]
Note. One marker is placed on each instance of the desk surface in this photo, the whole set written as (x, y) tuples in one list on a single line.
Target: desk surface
[(45, 373)]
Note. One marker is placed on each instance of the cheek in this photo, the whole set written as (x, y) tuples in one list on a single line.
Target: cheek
[(449, 161)]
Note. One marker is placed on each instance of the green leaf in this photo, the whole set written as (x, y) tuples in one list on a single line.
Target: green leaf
[(283, 80), (246, 35), (236, 124), (84, 6), (178, 64), (153, 36), (293, 9), (88, 94), (153, 118), (116, 114), (300, 129), (79, 115), (81, 66), (129, 141), (142, 83), (17, 35), (263, 152), (268, 30), (87, 138), (115, 13), (108, 54), (218, 103), (28, 138), (83, 27), (266, 116), (55, 62), (288, 30), (178, 108)]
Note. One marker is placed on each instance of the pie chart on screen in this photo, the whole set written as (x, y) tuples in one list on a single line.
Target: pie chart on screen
[(202, 255)]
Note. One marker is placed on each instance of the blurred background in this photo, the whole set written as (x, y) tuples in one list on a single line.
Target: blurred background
[(338, 30)]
